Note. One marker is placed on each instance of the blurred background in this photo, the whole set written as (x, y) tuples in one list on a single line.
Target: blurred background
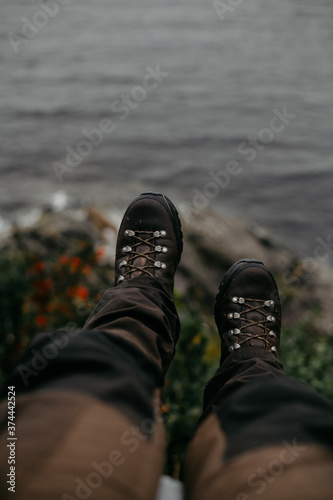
[(225, 68), (223, 105)]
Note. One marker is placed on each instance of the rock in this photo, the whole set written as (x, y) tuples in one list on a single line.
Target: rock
[(212, 243), (169, 489)]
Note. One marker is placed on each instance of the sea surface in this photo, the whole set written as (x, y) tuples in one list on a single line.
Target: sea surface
[(223, 74)]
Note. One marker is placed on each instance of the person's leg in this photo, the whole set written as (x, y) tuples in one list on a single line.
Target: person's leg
[(262, 434), (87, 402)]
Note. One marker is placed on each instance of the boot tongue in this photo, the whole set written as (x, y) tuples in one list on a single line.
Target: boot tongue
[(142, 261)]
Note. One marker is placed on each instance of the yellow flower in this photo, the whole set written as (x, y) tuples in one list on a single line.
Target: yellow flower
[(213, 350), (197, 339)]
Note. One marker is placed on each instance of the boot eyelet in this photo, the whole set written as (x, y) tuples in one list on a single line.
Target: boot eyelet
[(127, 249), (129, 232), (271, 319), (238, 300), (160, 264), (233, 316), (158, 248)]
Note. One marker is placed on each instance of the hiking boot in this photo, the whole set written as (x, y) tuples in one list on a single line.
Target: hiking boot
[(150, 239), (247, 309)]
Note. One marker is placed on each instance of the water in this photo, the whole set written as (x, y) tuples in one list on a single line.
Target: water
[(225, 78)]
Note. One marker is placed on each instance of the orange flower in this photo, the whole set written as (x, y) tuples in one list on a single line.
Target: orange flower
[(64, 260), (164, 408), (100, 252), (41, 321), (79, 291), (82, 292), (39, 266), (86, 269), (76, 263)]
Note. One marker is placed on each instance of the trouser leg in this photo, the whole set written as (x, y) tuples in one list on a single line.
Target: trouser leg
[(142, 312), (266, 437), (87, 403)]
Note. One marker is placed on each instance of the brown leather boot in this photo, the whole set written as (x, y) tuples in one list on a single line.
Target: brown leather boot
[(248, 310), (150, 239), (140, 310)]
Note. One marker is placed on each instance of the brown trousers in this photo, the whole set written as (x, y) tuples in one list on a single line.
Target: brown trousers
[(88, 423)]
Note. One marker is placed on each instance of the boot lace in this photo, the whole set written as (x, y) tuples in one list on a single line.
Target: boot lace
[(127, 267), (240, 335)]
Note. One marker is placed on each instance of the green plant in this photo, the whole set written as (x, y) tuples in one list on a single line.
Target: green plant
[(308, 356), (46, 283), (190, 370)]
